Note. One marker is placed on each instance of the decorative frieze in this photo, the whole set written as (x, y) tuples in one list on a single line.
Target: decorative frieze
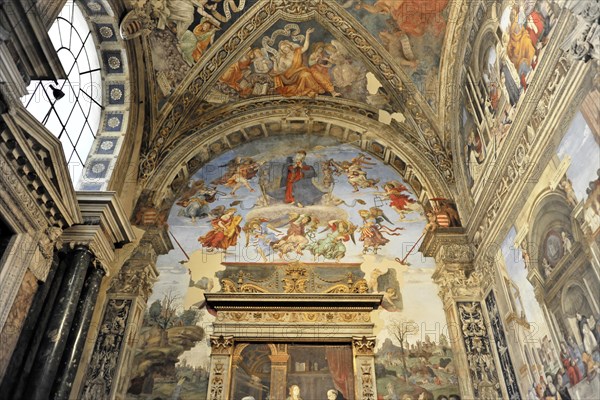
[(294, 317), (293, 278)]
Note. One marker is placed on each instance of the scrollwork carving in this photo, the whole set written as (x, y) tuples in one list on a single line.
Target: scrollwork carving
[(100, 376), (367, 381), (217, 381), (482, 367), (221, 344), (364, 345)]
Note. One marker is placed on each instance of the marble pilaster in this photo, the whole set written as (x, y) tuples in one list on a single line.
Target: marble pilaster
[(220, 367), (363, 351)]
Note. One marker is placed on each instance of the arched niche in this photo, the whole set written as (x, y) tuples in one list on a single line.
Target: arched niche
[(549, 218), (574, 300)]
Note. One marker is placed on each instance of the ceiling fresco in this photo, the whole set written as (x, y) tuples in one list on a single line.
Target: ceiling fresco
[(413, 33), (294, 60), (297, 214), (180, 34)]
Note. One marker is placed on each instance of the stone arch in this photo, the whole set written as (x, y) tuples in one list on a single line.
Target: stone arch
[(257, 20), (359, 126)]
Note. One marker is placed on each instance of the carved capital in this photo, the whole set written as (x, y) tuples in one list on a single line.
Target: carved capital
[(221, 344), (454, 253), (363, 346), (49, 242), (460, 282)]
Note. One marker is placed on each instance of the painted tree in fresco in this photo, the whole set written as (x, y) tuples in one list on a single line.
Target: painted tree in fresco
[(401, 329)]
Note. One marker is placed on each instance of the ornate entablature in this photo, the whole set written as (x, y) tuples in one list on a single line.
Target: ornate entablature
[(294, 277)]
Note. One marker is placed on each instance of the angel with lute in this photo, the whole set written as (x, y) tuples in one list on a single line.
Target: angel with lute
[(226, 229)]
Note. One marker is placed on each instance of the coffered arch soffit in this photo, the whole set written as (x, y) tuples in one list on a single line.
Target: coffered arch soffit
[(260, 118)]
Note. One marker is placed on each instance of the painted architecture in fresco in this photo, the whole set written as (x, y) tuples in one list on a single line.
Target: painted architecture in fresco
[(554, 311), (509, 49), (337, 214)]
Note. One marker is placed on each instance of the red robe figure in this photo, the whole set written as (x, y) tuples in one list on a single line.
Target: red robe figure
[(295, 172)]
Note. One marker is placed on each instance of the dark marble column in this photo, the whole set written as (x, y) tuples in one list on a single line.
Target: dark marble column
[(18, 389), (55, 337), (77, 336), (36, 322)]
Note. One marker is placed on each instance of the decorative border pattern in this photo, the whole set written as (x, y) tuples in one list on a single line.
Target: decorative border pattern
[(116, 98), (482, 368)]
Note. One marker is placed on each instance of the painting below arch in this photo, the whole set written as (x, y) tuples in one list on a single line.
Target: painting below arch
[(338, 212)]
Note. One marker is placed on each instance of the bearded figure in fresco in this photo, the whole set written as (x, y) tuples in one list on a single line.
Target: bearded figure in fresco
[(293, 78), (527, 27)]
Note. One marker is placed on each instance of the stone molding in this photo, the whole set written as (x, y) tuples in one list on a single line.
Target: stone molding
[(105, 227)]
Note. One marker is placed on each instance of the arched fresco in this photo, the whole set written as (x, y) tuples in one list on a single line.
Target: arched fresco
[(343, 220)]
